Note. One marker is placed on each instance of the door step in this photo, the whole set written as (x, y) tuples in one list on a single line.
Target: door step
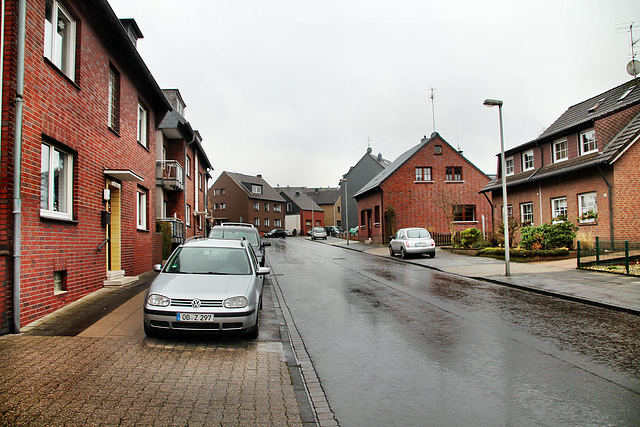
[(117, 278)]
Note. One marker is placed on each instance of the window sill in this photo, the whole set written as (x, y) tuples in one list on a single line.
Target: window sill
[(590, 221), (465, 222), (454, 182), (46, 215), (57, 293), (143, 230), (423, 182), (558, 221)]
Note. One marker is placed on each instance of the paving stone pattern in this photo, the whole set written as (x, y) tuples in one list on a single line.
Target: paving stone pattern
[(70, 381)]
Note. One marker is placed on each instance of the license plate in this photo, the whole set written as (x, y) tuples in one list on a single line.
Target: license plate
[(421, 244), (194, 317)]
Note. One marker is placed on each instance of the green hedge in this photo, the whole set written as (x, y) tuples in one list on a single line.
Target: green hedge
[(525, 253)]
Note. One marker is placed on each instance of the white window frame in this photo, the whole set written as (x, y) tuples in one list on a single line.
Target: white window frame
[(187, 220), (114, 83), (61, 51), (525, 156), (277, 207), (256, 222), (51, 211), (256, 189), (266, 207), (141, 209), (563, 151), (559, 207), (583, 206), (510, 170), (256, 206), (277, 223), (143, 124), (590, 141), (266, 222), (522, 213), (187, 166)]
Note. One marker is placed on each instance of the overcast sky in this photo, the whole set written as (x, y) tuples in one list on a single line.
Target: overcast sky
[(296, 90)]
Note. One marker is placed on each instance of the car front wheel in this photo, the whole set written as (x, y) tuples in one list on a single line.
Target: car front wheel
[(151, 332)]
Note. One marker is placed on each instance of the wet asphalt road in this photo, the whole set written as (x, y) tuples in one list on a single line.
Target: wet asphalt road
[(397, 344)]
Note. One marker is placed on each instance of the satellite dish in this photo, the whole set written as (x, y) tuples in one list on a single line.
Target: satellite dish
[(633, 67)]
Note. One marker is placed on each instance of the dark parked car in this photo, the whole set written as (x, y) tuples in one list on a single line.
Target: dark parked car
[(276, 232), (236, 230), (333, 231)]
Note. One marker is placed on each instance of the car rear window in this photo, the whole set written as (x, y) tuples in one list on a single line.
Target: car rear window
[(197, 260), (225, 233), (418, 234)]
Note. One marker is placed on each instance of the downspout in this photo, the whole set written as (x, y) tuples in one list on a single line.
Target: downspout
[(1, 74), (606, 181), (17, 165), (492, 210), (184, 179)]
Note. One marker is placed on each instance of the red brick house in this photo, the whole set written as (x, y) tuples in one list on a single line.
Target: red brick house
[(83, 140), (250, 199), (302, 212), (432, 185), (182, 174), (584, 168)]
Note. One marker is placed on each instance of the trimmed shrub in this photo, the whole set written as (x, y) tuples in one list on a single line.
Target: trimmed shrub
[(549, 236), (470, 236)]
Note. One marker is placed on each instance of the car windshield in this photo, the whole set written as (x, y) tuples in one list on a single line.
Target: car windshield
[(225, 233), (199, 260), (418, 233)]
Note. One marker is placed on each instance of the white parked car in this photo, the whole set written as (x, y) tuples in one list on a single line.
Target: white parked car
[(318, 233), (412, 241), (207, 285)]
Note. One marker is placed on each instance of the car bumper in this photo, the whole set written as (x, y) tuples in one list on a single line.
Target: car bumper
[(167, 320), (421, 250)]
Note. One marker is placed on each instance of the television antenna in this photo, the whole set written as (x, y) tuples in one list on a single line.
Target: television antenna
[(433, 107), (633, 67)]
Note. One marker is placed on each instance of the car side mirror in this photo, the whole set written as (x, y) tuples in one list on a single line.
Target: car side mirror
[(157, 267), (266, 243), (263, 271)]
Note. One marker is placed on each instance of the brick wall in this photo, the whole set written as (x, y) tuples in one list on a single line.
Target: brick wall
[(73, 116), (626, 199)]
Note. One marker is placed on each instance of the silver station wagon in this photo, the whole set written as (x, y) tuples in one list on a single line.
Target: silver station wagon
[(412, 241), (207, 285)]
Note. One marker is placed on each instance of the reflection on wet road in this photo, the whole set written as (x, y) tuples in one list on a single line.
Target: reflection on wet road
[(398, 344)]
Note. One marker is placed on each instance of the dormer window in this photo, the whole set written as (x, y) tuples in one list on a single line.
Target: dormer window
[(256, 189), (588, 143), (509, 165), (560, 151), (527, 160)]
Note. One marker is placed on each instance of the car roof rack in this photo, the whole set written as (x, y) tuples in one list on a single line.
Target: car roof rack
[(194, 238), (237, 224)]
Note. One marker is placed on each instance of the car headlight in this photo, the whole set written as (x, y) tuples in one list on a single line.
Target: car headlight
[(236, 302), (158, 300)]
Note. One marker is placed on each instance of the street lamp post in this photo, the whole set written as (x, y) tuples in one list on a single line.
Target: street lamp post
[(503, 173), (346, 210)]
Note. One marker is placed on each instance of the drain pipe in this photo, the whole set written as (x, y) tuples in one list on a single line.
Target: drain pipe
[(1, 62), (184, 179), (606, 181), (17, 166)]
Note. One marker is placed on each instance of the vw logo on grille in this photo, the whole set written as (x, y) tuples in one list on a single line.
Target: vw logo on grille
[(195, 303)]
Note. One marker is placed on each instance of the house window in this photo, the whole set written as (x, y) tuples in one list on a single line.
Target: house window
[(141, 209), (588, 143), (216, 191), (266, 222), (56, 183), (588, 205), (223, 206), (560, 151), (509, 165), (559, 208), (216, 206), (114, 100), (256, 189), (256, 206), (256, 222), (423, 173), (376, 214), (277, 223), (453, 173), (187, 167), (60, 38), (462, 213), (266, 207), (289, 207), (277, 207), (142, 126), (223, 191), (200, 181), (509, 211), (526, 213), (437, 149), (188, 218), (527, 160)]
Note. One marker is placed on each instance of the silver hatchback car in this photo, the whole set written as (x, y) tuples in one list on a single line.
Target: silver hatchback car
[(207, 285), (412, 241)]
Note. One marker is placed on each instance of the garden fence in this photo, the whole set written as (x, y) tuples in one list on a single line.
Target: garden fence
[(607, 252)]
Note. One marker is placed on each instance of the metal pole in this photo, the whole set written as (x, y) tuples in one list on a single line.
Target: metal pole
[(346, 210), (504, 198)]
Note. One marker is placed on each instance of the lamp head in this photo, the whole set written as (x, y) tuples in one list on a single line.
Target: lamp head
[(492, 103)]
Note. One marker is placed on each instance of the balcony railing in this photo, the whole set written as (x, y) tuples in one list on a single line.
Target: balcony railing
[(169, 174), (177, 229)]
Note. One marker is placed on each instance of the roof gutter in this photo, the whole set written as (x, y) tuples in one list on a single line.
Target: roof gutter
[(17, 165)]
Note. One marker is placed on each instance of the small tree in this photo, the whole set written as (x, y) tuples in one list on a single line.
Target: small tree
[(470, 236), (514, 225)]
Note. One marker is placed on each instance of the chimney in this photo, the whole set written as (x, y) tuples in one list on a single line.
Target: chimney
[(259, 176)]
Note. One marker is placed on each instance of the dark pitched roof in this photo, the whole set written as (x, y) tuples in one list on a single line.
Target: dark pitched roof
[(324, 196), (610, 153), (300, 199), (245, 182), (397, 163)]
